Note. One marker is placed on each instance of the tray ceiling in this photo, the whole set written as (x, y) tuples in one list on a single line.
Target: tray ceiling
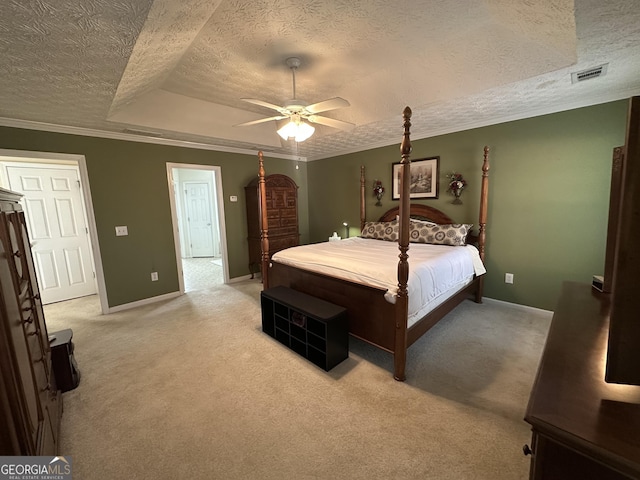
[(178, 69)]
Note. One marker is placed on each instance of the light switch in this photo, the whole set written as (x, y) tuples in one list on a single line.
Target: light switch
[(122, 231)]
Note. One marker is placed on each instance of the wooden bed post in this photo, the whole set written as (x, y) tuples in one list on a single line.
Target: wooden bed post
[(482, 223), (363, 212), (402, 301), (264, 226)]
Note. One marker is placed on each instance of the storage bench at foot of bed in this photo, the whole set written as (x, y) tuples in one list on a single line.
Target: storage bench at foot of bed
[(313, 328)]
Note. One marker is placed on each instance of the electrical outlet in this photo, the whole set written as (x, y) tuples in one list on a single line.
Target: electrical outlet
[(508, 278), (154, 276), (122, 231)]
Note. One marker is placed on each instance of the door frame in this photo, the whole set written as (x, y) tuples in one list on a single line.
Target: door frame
[(219, 196), (24, 156)]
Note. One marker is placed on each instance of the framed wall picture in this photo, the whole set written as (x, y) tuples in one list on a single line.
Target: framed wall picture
[(424, 178)]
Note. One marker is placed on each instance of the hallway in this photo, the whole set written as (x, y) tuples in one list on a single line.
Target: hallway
[(201, 273)]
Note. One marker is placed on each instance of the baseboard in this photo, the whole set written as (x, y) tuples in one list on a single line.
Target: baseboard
[(518, 306), (146, 301)]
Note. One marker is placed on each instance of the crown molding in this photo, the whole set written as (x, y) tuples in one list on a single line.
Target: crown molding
[(88, 132)]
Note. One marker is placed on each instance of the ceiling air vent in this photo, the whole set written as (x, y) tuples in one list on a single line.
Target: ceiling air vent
[(146, 133), (589, 73)]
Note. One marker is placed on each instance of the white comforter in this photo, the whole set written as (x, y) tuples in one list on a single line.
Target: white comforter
[(434, 270)]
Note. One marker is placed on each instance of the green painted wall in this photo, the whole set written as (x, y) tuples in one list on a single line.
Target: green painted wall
[(548, 195), (128, 183), (548, 200)]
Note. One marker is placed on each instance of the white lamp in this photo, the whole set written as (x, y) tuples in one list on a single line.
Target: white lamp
[(296, 128)]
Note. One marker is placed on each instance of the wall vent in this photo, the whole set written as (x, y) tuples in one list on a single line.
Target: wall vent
[(146, 133), (589, 73)]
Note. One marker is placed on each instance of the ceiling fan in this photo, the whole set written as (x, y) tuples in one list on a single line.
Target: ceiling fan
[(300, 113)]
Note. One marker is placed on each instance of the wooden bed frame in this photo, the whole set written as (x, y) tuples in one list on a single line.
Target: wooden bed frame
[(371, 317)]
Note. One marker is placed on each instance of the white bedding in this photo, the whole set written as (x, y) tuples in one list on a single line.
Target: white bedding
[(435, 271)]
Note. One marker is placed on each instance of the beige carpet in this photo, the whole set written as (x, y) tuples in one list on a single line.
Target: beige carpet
[(191, 388)]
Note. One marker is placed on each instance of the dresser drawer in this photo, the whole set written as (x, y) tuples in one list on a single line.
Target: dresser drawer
[(284, 231), (281, 243)]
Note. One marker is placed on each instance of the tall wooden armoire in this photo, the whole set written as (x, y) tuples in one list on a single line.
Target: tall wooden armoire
[(282, 214), (30, 402)]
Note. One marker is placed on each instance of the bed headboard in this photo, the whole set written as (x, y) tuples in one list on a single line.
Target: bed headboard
[(419, 212)]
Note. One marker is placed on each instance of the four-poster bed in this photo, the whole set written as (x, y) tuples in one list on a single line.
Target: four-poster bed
[(372, 316)]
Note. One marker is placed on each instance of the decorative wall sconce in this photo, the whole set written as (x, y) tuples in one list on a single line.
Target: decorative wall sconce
[(456, 185), (378, 191)]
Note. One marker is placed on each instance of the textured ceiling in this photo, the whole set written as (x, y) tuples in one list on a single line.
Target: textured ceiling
[(179, 68)]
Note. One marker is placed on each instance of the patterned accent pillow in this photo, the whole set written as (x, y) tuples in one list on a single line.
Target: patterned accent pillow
[(418, 230), (381, 231), (448, 234)]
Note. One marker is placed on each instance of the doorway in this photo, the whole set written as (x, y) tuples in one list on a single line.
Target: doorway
[(59, 213), (198, 224)]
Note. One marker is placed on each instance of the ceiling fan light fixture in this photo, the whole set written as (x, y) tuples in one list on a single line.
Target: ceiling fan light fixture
[(300, 113), (297, 129)]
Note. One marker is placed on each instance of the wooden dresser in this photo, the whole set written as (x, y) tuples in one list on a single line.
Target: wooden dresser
[(583, 428), (30, 403), (282, 214)]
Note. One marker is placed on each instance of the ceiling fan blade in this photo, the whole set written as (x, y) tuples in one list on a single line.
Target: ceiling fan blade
[(277, 108), (262, 120), (330, 122), (326, 105)]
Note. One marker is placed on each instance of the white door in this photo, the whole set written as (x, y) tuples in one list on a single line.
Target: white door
[(57, 230), (198, 210)]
